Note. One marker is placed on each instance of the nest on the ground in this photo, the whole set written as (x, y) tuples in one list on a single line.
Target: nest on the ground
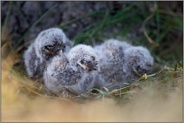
[(166, 79)]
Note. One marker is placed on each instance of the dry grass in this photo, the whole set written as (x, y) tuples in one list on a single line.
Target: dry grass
[(157, 98)]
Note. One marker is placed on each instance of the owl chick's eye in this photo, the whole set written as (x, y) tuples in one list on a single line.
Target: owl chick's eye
[(82, 61), (49, 47), (93, 58), (138, 67), (64, 46), (148, 65)]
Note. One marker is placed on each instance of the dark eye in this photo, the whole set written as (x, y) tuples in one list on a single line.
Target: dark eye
[(64, 46), (138, 67), (82, 61), (93, 58), (148, 65), (48, 47)]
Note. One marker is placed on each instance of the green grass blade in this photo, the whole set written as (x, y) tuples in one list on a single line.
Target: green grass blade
[(33, 25)]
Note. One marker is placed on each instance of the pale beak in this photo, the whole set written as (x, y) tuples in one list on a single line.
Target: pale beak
[(82, 65)]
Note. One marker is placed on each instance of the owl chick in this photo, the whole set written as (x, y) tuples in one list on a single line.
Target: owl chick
[(47, 44), (110, 55), (58, 73), (76, 71), (137, 61), (121, 63)]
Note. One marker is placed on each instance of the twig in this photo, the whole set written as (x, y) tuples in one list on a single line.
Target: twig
[(23, 46), (170, 13), (144, 24)]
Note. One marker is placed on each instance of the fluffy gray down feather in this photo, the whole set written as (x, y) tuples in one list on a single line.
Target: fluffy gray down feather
[(75, 71), (47, 44)]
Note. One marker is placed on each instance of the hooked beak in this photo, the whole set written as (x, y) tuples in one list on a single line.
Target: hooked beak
[(89, 66), (82, 65)]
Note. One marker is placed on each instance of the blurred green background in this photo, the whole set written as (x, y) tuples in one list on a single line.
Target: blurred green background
[(155, 25)]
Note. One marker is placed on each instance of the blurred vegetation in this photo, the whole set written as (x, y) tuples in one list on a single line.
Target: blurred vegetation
[(155, 25), (157, 28)]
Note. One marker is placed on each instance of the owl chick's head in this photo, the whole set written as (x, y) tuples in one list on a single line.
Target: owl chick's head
[(83, 56), (139, 60), (114, 43), (50, 42)]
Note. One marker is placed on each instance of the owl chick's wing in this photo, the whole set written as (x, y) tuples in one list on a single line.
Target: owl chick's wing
[(32, 63)]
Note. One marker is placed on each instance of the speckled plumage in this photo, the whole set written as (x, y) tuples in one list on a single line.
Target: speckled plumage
[(58, 73), (110, 55), (47, 44), (75, 71), (138, 61), (121, 63)]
